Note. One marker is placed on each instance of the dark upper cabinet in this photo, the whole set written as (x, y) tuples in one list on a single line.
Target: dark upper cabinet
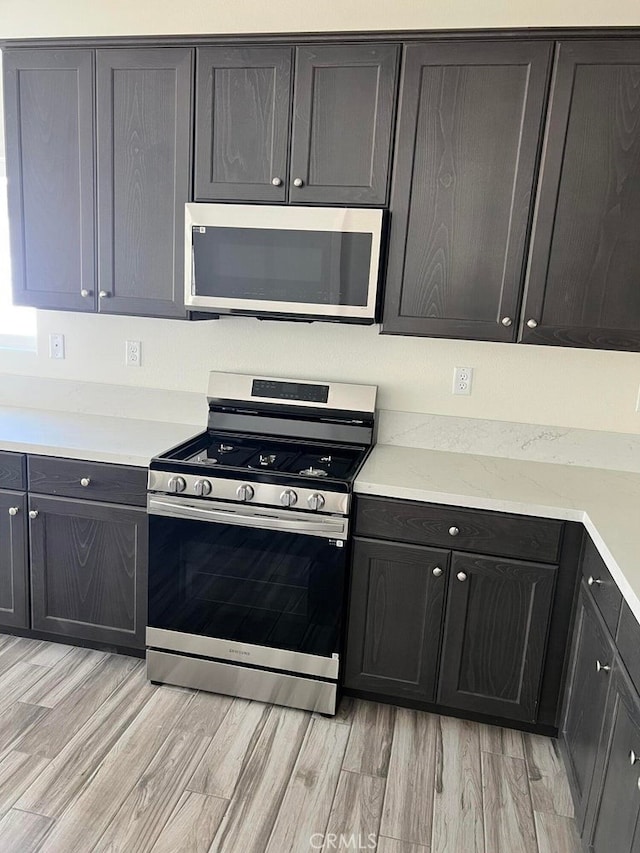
[(143, 100), (14, 597), (88, 570), (582, 287), (243, 111), (617, 799), (495, 635), (49, 135), (469, 128), (329, 143), (587, 688), (342, 123), (395, 618)]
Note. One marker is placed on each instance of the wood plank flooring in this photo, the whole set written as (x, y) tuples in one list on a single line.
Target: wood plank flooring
[(95, 758)]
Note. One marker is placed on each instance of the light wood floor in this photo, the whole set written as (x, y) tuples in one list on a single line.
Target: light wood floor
[(94, 758)]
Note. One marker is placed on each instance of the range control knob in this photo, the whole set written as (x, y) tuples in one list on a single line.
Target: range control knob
[(245, 492), (202, 488), (315, 501), (288, 498), (176, 484)]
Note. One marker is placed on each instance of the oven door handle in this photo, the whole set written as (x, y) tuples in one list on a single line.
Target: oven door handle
[(334, 528)]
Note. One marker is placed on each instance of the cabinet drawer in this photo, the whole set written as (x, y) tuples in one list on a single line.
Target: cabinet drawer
[(463, 530), (603, 588), (12, 470), (628, 643), (65, 477)]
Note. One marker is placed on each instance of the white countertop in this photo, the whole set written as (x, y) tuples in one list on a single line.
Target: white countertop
[(124, 441), (607, 502)]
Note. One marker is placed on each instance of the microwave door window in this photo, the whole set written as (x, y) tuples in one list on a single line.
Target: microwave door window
[(278, 265)]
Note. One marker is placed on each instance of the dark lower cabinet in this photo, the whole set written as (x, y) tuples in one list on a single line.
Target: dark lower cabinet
[(495, 635), (395, 618), (587, 688), (88, 570), (14, 565), (616, 800), (429, 626)]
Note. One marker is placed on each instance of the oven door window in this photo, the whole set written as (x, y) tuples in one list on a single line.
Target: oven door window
[(284, 266), (263, 587)]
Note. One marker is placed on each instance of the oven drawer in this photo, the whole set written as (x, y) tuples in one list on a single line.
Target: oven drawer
[(92, 481), (12, 471), (518, 536), (294, 691)]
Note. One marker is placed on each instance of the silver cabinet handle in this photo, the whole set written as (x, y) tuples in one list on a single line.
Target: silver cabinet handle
[(461, 576), (84, 293), (33, 513), (276, 182), (506, 321), (633, 757), (593, 581), (453, 531), (602, 667), (104, 294), (532, 323), (14, 510), (298, 182), (437, 571), (85, 481)]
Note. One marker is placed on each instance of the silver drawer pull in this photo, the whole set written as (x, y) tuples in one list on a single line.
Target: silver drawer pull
[(85, 481), (33, 513), (633, 757), (298, 182), (276, 181), (461, 576), (594, 581), (14, 510), (602, 667), (437, 571), (506, 321), (453, 531)]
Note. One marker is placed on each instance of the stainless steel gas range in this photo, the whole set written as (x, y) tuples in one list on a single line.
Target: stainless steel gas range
[(249, 528)]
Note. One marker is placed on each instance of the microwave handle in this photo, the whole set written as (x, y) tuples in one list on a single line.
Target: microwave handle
[(333, 528)]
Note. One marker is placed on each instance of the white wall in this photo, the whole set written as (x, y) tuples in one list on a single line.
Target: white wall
[(545, 385)]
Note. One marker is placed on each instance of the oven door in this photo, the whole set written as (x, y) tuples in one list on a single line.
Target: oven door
[(252, 586), (261, 260)]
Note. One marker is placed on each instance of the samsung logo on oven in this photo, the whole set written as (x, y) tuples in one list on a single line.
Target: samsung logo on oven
[(239, 652)]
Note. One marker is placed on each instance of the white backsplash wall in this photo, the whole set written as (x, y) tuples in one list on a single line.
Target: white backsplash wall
[(565, 387)]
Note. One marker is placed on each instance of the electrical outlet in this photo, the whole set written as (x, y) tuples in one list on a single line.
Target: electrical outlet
[(133, 353), (462, 379), (56, 345)]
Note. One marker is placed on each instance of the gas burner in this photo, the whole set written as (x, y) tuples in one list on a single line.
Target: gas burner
[(313, 472)]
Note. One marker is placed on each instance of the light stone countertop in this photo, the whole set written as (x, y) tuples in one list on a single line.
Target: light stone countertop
[(606, 501), (96, 438)]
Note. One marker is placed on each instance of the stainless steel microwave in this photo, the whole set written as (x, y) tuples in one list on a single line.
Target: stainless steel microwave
[(301, 262)]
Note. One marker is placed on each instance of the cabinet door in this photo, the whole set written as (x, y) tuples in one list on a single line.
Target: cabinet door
[(49, 132), (89, 570), (343, 121), (395, 618), (587, 688), (469, 128), (14, 611), (585, 258), (618, 800), (144, 142), (243, 112), (495, 635)]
